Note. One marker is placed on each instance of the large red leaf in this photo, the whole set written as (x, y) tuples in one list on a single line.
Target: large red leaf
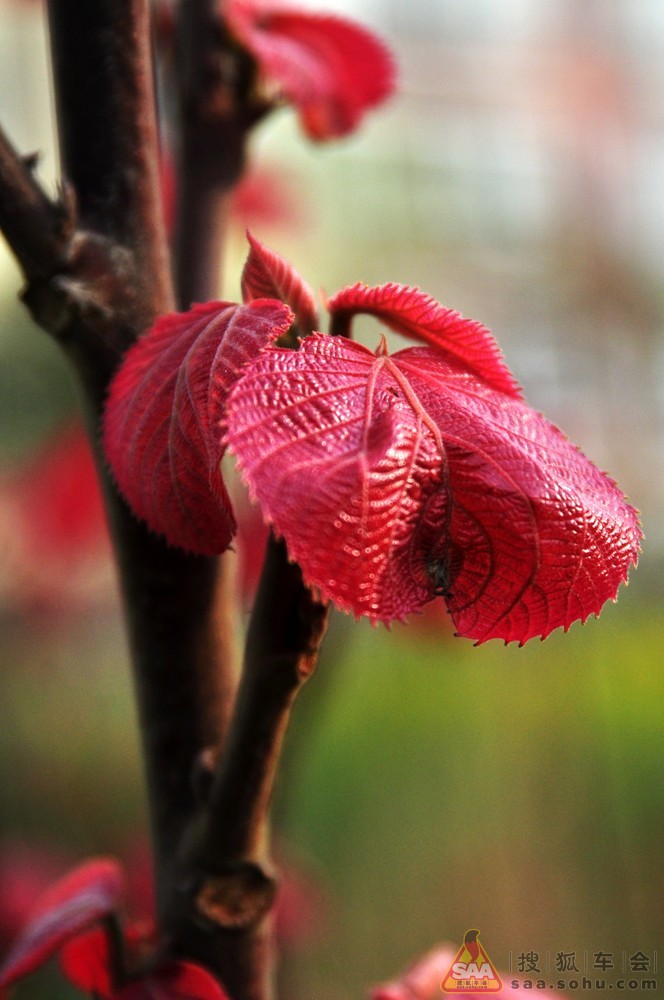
[(85, 895), (163, 421), (330, 69), (423, 979), (174, 981), (266, 275), (418, 315), (85, 961), (394, 479)]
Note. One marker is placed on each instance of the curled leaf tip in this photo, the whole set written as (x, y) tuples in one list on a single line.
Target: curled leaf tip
[(330, 69)]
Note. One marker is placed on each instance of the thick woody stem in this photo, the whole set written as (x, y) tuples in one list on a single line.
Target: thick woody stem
[(212, 77), (233, 887), (98, 273), (286, 630), (107, 128), (109, 151), (37, 229)]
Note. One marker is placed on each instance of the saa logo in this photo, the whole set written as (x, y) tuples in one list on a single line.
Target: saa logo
[(472, 971)]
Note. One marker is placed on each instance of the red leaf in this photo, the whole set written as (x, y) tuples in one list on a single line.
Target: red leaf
[(266, 275), (268, 197), (263, 196), (53, 536), (85, 962), (163, 422), (175, 981), (250, 542), (301, 906), (330, 69), (416, 314), (395, 479), (422, 979), (61, 499), (79, 899)]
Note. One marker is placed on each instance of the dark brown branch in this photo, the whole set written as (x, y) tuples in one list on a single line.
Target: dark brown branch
[(212, 82), (98, 288), (109, 151), (287, 628), (102, 67), (233, 887), (37, 229)]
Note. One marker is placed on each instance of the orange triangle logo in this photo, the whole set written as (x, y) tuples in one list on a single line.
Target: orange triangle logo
[(472, 971)]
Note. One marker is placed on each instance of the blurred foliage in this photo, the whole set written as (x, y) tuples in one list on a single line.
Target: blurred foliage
[(435, 786), (517, 790), (36, 386)]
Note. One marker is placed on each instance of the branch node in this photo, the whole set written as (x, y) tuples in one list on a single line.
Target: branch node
[(99, 274), (92, 283), (236, 898)]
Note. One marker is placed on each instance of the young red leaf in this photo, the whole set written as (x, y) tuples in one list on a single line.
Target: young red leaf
[(330, 69), (266, 275), (418, 315), (268, 196), (79, 899), (422, 980), (53, 534), (85, 961), (394, 479), (263, 196), (163, 430), (174, 981), (61, 500)]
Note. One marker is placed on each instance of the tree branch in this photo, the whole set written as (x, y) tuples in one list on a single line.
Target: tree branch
[(38, 230), (233, 886), (213, 78), (109, 150), (107, 128), (286, 630), (97, 288)]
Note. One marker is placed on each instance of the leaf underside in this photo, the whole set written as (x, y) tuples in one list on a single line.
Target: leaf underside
[(330, 69), (80, 898), (176, 980), (164, 417), (86, 962)]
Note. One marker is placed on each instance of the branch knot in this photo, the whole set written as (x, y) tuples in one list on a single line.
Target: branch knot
[(237, 897)]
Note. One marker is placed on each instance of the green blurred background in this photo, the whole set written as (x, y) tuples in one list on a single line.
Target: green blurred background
[(428, 786)]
